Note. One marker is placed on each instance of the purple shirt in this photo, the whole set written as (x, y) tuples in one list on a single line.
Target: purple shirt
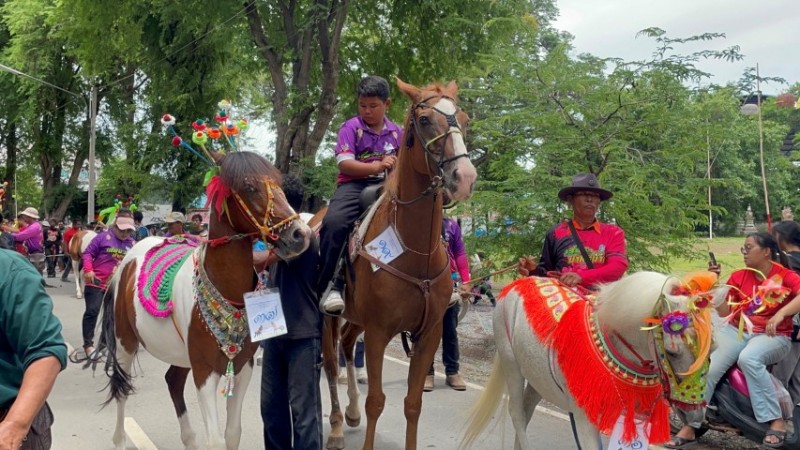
[(103, 254), (32, 237), (357, 141), (455, 248)]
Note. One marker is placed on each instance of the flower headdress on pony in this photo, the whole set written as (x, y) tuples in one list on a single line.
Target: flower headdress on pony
[(225, 135), (687, 389), (108, 215)]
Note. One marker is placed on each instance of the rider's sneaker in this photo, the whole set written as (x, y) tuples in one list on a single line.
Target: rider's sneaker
[(333, 303)]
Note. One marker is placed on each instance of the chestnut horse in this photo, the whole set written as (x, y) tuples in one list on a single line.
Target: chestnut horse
[(77, 245), (246, 203), (412, 292)]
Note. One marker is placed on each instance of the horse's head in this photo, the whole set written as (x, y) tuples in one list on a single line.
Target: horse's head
[(678, 315), (438, 124), (247, 195)]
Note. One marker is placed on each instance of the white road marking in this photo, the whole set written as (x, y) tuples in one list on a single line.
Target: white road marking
[(137, 436), (140, 440), (542, 409)]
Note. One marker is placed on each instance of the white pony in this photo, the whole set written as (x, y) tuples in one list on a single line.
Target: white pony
[(528, 366)]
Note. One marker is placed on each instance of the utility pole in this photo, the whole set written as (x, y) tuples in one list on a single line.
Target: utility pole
[(92, 140), (761, 151), (708, 174)]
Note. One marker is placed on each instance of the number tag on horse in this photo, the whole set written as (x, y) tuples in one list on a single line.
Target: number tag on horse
[(264, 314), (639, 442), (385, 248)]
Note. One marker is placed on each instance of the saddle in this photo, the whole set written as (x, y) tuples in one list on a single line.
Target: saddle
[(362, 224)]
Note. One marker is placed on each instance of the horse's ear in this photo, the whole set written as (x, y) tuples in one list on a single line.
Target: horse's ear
[(452, 88), (413, 92), (217, 156)]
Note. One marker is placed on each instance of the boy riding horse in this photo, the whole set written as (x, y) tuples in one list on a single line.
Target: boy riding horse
[(365, 149)]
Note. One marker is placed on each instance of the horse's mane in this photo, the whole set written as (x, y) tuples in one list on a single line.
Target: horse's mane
[(237, 166), (433, 89), (623, 305)]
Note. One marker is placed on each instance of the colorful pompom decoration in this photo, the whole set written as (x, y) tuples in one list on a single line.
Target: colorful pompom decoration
[(199, 125), (167, 120), (231, 130), (176, 141), (199, 138), (214, 133)]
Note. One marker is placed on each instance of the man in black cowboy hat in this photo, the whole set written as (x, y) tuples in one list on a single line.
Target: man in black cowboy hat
[(581, 251)]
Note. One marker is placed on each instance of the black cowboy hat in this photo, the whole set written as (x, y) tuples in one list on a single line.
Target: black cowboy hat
[(584, 182)]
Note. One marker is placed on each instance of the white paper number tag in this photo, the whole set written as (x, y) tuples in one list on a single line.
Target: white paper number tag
[(640, 442), (264, 314), (385, 248)]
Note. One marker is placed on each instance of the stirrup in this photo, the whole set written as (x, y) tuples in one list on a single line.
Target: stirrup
[(332, 302)]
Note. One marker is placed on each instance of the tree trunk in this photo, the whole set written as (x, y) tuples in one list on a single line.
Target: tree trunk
[(10, 199), (300, 132)]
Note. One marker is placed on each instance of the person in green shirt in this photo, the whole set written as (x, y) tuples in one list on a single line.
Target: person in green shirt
[(32, 353)]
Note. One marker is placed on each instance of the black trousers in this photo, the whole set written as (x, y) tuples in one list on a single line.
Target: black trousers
[(450, 354), (343, 211), (94, 299), (52, 252), (291, 403)]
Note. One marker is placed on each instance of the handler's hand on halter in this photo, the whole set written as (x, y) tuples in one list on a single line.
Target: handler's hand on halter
[(527, 265)]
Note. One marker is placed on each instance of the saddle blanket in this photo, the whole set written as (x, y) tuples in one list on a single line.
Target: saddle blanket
[(161, 264)]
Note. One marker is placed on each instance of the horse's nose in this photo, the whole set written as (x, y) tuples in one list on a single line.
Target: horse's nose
[(298, 235)]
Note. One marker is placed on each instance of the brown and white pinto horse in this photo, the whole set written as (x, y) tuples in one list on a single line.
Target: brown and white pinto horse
[(412, 292), (77, 245), (247, 202)]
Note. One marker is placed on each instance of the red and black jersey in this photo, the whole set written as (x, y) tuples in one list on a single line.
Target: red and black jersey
[(604, 243)]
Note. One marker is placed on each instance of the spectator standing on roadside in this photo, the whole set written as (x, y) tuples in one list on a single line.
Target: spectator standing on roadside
[(68, 235), (32, 353), (175, 221), (787, 233), (141, 230), (31, 236), (52, 243), (459, 268)]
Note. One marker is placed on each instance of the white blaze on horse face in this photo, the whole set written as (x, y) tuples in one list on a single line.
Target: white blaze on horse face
[(460, 174)]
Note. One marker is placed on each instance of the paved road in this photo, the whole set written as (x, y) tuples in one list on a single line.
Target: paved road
[(151, 423)]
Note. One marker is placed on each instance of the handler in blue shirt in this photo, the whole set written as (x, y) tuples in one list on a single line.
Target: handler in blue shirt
[(291, 405)]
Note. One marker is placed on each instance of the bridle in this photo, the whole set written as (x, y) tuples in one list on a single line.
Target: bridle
[(454, 127), (266, 228)]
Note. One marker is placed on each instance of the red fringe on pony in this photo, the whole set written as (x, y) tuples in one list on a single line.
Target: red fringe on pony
[(602, 394), (545, 301), (216, 192)]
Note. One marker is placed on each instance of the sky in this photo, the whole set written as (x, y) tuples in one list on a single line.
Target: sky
[(768, 32)]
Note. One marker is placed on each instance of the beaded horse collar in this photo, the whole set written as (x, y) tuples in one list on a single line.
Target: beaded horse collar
[(225, 322)]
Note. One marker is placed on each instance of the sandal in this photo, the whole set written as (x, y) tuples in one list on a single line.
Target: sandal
[(780, 435), (679, 443)]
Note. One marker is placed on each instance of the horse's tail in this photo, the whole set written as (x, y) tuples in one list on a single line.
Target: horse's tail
[(484, 408), (120, 384)]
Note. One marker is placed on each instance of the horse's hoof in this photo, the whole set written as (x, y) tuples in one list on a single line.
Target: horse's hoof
[(79, 297), (352, 421), (335, 443)]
